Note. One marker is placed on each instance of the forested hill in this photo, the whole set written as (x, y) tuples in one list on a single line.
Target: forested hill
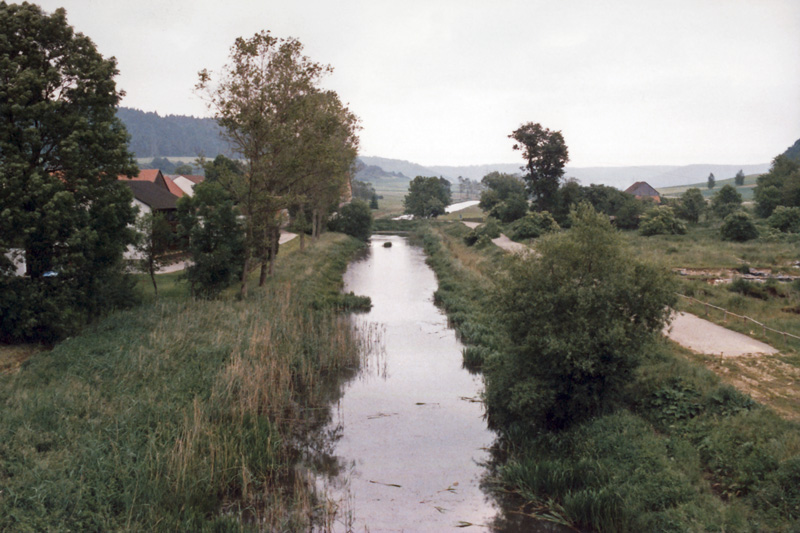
[(173, 135)]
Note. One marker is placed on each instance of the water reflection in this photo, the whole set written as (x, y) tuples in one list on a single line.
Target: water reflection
[(408, 437)]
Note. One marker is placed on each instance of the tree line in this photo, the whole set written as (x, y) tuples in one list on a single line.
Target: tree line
[(172, 135)]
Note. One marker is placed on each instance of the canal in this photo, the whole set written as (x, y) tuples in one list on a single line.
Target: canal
[(411, 443)]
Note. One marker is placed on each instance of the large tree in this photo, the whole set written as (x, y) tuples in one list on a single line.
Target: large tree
[(62, 148), (428, 196), (545, 154), (266, 100)]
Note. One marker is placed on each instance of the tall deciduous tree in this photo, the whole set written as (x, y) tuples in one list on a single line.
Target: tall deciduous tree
[(711, 181), (266, 101), (738, 179), (545, 154), (427, 196), (61, 151)]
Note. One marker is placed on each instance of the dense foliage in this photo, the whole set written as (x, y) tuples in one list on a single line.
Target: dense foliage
[(545, 154), (498, 188), (184, 416), (533, 225), (685, 452), (624, 207), (785, 219), (692, 205), (577, 315), (738, 226), (726, 201), (62, 210), (661, 220), (427, 196), (213, 237), (780, 186), (354, 219), (298, 143)]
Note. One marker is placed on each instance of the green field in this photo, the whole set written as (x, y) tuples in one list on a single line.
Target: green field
[(745, 190)]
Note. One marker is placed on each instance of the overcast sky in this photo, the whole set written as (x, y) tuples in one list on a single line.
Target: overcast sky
[(627, 82)]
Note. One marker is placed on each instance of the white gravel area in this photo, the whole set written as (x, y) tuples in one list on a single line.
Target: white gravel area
[(705, 337)]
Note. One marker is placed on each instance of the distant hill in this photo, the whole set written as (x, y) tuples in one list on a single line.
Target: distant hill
[(620, 177), (173, 135), (180, 136)]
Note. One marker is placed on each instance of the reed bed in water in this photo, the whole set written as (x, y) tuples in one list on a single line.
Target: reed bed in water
[(185, 415)]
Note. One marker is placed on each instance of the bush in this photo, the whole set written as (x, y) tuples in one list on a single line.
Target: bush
[(512, 208), (726, 201), (208, 223), (354, 219), (661, 221), (785, 219), (577, 316), (533, 225), (485, 232), (739, 227)]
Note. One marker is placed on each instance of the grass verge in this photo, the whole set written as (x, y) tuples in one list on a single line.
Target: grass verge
[(181, 414)]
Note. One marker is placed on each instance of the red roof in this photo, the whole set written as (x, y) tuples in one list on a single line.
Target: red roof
[(154, 175)]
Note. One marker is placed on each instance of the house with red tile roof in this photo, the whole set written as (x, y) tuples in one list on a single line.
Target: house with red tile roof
[(154, 175), (154, 192), (642, 189)]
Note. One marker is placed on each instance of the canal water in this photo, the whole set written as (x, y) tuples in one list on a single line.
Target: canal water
[(410, 439)]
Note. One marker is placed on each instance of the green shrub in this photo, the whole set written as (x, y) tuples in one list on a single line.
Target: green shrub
[(577, 317), (726, 201), (749, 288), (512, 208), (785, 219), (354, 219), (533, 225), (661, 221), (487, 231), (739, 227)]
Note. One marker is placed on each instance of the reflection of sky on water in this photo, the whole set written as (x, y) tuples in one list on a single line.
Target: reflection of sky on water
[(408, 419)]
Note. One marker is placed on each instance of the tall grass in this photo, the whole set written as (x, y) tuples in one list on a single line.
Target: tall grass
[(183, 415)]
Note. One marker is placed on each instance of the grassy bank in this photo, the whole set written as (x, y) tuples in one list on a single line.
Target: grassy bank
[(180, 415), (683, 451)]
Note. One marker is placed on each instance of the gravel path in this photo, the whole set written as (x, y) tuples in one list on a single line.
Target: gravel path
[(702, 336), (502, 241)]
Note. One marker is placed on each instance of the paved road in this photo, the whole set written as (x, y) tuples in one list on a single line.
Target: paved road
[(702, 336)]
